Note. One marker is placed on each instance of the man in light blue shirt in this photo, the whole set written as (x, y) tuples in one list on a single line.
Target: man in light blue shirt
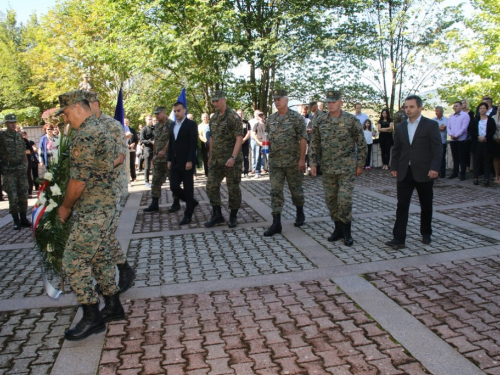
[(360, 115), (443, 122)]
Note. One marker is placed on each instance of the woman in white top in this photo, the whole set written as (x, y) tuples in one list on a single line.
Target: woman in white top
[(368, 132)]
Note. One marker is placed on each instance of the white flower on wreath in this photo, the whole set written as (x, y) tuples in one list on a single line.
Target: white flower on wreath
[(51, 206), (41, 200), (55, 190), (47, 176), (49, 248)]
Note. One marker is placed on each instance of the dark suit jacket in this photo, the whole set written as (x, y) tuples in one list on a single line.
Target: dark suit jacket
[(491, 128), (424, 153), (183, 149)]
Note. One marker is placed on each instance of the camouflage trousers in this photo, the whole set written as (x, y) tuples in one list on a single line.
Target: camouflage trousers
[(160, 170), (16, 185), (294, 179), (87, 255), (115, 248), (338, 195), (216, 174)]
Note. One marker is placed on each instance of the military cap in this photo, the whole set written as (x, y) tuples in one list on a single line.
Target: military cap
[(279, 93), (218, 94), (332, 96), (91, 96), (159, 109), (10, 118), (69, 98)]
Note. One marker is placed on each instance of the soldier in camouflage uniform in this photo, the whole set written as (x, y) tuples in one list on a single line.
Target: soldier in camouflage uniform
[(91, 196), (400, 115), (13, 160), (287, 153), (160, 170), (126, 273), (225, 158), (335, 137)]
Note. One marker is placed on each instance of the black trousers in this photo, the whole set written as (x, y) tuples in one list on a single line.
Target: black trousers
[(245, 148), (131, 165), (185, 194), (442, 169), (425, 195), (369, 156), (204, 156), (148, 158), (385, 149), (482, 160), (458, 153)]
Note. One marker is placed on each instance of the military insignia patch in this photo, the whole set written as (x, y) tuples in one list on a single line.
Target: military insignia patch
[(76, 152)]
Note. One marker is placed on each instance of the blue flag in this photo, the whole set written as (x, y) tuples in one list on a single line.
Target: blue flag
[(119, 111), (182, 99)]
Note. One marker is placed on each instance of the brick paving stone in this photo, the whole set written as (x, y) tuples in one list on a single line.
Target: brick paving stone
[(262, 187), (474, 329), (33, 351), (8, 235), (262, 346), (369, 241), (166, 195), (212, 255), (487, 216)]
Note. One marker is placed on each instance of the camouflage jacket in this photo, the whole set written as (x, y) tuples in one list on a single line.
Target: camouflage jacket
[(90, 162), (162, 136), (12, 150), (285, 134), (223, 132), (333, 145)]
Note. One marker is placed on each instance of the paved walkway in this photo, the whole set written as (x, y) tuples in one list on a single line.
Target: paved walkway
[(231, 301)]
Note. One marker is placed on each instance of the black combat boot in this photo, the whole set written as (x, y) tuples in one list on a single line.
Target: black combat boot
[(24, 220), (176, 206), (275, 226), (153, 207), (216, 218), (337, 232), (233, 222), (127, 276), (92, 322), (17, 222), (113, 309), (301, 218), (348, 241)]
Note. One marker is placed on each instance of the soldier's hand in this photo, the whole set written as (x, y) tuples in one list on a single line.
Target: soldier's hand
[(394, 173), (63, 213), (359, 171), (302, 165), (230, 163), (189, 166), (169, 164), (313, 171), (161, 154), (433, 175)]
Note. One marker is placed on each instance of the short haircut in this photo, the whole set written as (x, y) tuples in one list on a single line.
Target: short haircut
[(180, 103), (417, 98), (458, 102), (439, 107), (486, 97), (484, 104), (355, 105)]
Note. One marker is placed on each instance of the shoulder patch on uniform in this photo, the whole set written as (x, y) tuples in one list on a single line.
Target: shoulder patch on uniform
[(76, 152)]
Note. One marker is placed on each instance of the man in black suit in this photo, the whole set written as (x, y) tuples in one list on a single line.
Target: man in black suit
[(415, 161), (492, 109), (181, 159)]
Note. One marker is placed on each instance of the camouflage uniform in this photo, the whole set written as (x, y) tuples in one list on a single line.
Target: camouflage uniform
[(223, 132), (399, 116), (119, 182), (160, 170), (15, 180), (87, 251), (334, 147), (285, 134)]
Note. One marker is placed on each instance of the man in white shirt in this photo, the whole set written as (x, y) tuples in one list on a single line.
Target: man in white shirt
[(442, 122), (360, 115)]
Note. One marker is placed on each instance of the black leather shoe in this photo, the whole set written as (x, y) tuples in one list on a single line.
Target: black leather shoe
[(176, 206), (153, 207), (338, 233), (348, 241), (185, 220), (24, 220), (395, 244), (462, 178), (92, 322), (233, 222), (475, 182), (113, 309), (17, 222), (126, 276), (486, 183), (426, 240), (275, 227), (300, 218), (216, 218), (452, 176)]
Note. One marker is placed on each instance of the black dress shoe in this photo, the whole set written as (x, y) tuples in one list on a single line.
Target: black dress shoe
[(475, 182), (462, 178), (185, 220), (452, 176), (395, 244), (426, 240)]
